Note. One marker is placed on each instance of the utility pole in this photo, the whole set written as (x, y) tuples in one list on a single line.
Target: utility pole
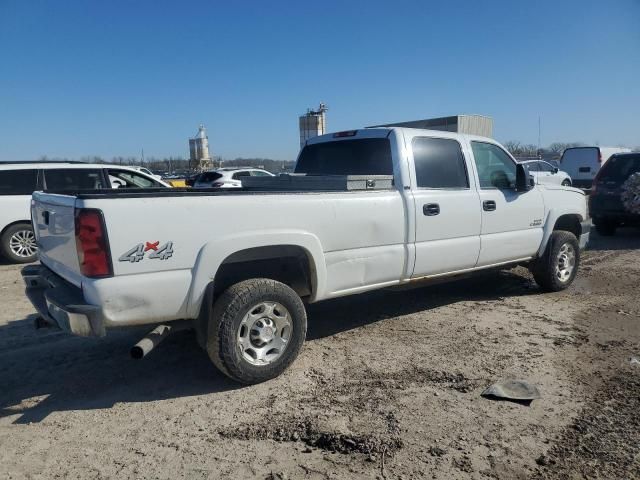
[(538, 135)]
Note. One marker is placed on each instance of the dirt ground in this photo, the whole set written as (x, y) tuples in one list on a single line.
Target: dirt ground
[(388, 386)]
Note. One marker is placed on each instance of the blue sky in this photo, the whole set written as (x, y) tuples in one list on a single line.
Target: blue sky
[(111, 77)]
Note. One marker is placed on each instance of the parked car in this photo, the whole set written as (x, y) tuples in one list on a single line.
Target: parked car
[(583, 163), (19, 180), (146, 171), (605, 202), (544, 172), (433, 205), (227, 177)]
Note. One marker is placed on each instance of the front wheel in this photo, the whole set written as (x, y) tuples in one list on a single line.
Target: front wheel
[(557, 268), (18, 244), (256, 330), (566, 183)]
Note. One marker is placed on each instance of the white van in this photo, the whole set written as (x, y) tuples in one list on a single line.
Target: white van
[(18, 180), (582, 163)]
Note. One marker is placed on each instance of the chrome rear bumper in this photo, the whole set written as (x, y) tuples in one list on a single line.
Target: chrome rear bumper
[(60, 303)]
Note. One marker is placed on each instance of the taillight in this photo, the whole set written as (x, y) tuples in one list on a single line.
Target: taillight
[(92, 244), (600, 158)]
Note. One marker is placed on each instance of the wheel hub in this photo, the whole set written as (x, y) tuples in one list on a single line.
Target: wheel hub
[(565, 262), (264, 333), (23, 243)]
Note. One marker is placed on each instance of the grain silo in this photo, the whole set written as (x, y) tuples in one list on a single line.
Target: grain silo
[(199, 157), (312, 124)]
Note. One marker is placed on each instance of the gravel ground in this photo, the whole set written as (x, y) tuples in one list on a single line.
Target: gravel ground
[(388, 386)]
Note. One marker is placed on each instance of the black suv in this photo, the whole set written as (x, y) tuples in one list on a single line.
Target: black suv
[(605, 202)]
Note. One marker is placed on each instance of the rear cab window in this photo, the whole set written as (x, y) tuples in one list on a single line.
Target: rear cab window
[(364, 156), (18, 182), (73, 179)]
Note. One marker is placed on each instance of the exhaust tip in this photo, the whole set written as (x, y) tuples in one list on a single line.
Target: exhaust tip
[(137, 352)]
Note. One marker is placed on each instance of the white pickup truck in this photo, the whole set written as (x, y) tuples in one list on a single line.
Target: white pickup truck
[(238, 266)]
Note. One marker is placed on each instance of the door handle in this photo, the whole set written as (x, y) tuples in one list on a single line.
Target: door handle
[(431, 209), (489, 205)]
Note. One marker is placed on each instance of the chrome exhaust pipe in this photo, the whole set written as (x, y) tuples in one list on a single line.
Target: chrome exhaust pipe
[(152, 339)]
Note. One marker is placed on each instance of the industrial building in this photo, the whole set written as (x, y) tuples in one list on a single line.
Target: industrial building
[(312, 124), (199, 157), (470, 124)]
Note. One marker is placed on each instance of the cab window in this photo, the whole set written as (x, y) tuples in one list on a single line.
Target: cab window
[(495, 167), (128, 179), (439, 163)]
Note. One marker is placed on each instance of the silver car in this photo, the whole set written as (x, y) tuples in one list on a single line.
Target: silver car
[(228, 177)]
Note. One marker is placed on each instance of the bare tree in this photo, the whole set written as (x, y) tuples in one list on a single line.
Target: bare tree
[(514, 147)]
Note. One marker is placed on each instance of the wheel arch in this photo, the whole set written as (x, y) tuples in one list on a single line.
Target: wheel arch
[(16, 222), (224, 260), (566, 221)]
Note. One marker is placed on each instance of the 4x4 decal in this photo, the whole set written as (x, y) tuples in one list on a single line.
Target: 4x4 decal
[(137, 253)]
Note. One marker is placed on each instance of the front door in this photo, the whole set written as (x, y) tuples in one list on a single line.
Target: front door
[(512, 221), (447, 212)]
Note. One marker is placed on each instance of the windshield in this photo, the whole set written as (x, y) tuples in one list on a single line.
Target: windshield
[(618, 169), (369, 156)]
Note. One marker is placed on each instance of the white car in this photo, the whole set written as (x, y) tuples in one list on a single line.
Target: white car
[(546, 173), (19, 180), (227, 177), (146, 171), (416, 206)]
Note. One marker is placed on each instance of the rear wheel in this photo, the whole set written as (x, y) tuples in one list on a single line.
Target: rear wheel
[(557, 268), (605, 227), (18, 244), (256, 330)]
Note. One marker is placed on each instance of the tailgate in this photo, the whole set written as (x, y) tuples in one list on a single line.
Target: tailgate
[(53, 218)]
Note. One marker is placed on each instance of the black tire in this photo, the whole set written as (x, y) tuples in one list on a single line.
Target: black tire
[(544, 269), (606, 228), (17, 232), (566, 183), (226, 320)]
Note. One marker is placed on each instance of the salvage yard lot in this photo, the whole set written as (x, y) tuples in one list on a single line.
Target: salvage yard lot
[(388, 385)]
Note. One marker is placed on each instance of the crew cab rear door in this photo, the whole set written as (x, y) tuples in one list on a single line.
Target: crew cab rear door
[(447, 211)]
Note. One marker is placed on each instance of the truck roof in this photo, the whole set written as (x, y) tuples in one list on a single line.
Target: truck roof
[(381, 132)]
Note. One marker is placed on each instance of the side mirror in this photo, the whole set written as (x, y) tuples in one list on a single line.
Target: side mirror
[(556, 170), (524, 180)]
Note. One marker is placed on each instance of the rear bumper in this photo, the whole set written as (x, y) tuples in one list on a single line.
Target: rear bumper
[(584, 235), (60, 303)]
